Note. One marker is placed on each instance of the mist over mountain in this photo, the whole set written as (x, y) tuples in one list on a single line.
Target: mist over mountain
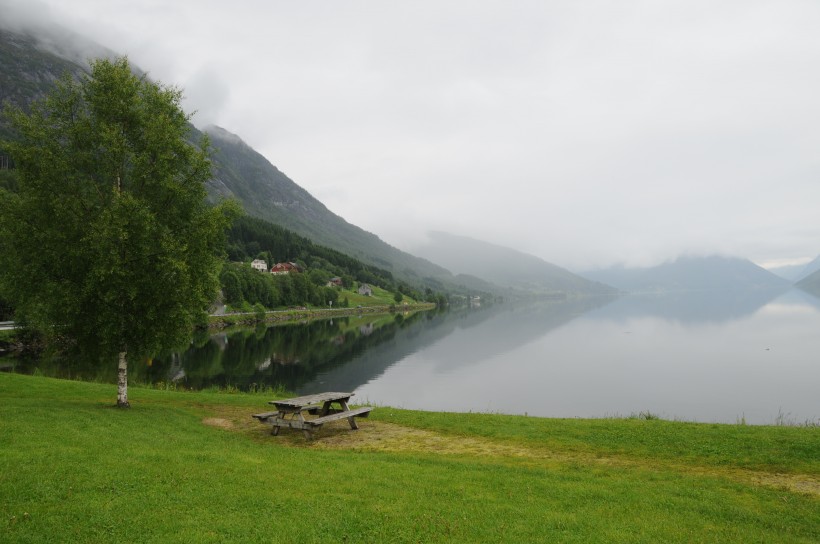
[(508, 268), (265, 192), (691, 274), (28, 72), (34, 60), (797, 272)]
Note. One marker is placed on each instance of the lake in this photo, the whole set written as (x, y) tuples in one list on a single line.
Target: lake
[(707, 357)]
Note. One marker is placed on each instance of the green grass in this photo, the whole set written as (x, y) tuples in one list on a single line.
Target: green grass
[(380, 297), (779, 449), (75, 469)]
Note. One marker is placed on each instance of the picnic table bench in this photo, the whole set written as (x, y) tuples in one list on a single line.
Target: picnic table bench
[(291, 412)]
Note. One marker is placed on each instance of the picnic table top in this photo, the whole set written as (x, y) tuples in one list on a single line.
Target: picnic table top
[(306, 400)]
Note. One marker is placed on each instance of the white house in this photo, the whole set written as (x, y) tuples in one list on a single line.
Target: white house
[(260, 265), (365, 290)]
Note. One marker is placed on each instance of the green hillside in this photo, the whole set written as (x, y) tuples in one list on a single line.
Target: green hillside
[(267, 193), (32, 64)]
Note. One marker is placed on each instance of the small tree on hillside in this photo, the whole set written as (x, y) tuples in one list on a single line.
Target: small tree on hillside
[(108, 240)]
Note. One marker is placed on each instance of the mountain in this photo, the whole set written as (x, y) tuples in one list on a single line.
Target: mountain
[(691, 274), (265, 192), (519, 272), (811, 283), (795, 273), (33, 61), (29, 70)]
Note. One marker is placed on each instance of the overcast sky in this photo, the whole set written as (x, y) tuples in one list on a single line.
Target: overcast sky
[(584, 132)]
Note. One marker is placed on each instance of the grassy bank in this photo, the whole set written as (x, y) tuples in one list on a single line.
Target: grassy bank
[(306, 313), (194, 467)]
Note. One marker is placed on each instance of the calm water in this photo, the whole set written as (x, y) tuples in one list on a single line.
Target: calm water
[(698, 357)]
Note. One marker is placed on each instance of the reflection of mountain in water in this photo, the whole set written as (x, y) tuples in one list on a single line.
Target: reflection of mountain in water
[(458, 338), (690, 307), (342, 354), (801, 298)]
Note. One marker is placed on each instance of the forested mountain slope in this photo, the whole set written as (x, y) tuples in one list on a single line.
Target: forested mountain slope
[(267, 193), (32, 62)]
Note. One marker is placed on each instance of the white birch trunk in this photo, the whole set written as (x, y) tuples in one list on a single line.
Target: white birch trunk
[(122, 381)]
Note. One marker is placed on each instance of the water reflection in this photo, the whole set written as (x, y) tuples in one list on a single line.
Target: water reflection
[(284, 355), (694, 356), (691, 307), (753, 360), (456, 339)]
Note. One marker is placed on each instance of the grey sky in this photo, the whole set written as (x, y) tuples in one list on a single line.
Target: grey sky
[(584, 132)]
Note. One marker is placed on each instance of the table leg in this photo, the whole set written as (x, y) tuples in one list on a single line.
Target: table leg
[(305, 430), (351, 420), (325, 408), (274, 428)]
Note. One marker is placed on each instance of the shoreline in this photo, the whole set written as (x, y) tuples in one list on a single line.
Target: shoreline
[(223, 321)]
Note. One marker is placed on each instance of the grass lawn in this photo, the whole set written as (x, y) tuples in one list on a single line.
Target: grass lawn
[(195, 467), (380, 297)]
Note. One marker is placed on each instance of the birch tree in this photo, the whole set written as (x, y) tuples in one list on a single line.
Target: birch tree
[(108, 241)]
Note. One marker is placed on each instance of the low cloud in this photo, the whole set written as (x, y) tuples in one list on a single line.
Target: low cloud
[(205, 95)]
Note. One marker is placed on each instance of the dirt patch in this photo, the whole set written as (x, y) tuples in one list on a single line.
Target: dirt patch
[(218, 422), (379, 436), (799, 483)]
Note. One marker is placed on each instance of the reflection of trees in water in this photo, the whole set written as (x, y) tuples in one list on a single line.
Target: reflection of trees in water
[(57, 366), (337, 353), (287, 355)]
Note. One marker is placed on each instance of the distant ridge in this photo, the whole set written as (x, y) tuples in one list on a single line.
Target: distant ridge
[(795, 273), (505, 267), (811, 283), (691, 273)]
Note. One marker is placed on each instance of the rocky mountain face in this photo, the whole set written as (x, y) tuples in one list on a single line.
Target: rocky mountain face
[(28, 70)]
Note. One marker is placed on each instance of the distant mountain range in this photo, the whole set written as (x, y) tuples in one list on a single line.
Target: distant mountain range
[(797, 272), (690, 274), (505, 267)]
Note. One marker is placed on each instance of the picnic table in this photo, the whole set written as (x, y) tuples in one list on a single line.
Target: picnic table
[(291, 412)]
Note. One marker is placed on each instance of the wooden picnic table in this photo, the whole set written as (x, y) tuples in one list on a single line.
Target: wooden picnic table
[(291, 412)]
